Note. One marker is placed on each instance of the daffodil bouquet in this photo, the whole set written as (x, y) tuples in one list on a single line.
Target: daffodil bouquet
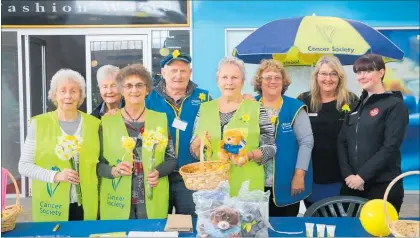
[(67, 148), (152, 140)]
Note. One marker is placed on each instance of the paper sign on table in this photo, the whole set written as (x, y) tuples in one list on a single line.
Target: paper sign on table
[(178, 222), (111, 234), (152, 234)]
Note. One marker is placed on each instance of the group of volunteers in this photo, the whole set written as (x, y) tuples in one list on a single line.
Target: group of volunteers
[(326, 142)]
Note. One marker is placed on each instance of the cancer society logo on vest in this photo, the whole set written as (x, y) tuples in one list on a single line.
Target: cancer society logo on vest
[(116, 181), (52, 187)]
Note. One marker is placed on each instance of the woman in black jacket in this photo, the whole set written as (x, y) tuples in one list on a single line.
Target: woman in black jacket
[(328, 101), (370, 139)]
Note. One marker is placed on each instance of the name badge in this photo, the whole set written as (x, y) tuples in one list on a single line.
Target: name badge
[(179, 124), (313, 114)]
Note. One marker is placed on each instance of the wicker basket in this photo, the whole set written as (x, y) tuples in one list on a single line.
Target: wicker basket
[(10, 213), (401, 228), (204, 175)]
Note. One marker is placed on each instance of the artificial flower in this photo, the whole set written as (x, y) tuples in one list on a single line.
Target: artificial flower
[(345, 108), (245, 118), (202, 97), (175, 54)]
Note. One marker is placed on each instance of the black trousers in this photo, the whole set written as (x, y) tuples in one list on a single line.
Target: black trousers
[(377, 191), (180, 197), (291, 210), (75, 212)]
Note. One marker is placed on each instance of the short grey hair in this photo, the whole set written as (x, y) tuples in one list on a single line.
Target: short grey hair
[(67, 74), (235, 61), (105, 71)]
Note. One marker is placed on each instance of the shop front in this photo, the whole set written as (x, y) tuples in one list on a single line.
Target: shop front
[(41, 37)]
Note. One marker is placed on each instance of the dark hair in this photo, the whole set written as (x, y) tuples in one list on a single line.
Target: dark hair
[(369, 62), (135, 70)]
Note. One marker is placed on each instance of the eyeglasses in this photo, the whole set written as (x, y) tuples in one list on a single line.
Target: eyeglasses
[(137, 85), (325, 74), (276, 78)]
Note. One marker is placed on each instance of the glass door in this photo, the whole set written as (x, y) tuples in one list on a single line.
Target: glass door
[(117, 50)]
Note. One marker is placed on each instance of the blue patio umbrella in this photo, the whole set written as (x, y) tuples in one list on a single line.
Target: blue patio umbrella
[(303, 40)]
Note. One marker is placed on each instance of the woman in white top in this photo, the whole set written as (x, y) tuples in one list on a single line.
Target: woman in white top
[(63, 190)]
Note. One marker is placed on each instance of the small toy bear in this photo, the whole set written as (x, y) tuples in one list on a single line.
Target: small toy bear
[(232, 147), (252, 222)]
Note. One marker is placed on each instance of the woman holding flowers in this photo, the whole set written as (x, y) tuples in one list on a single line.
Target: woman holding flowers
[(328, 101), (288, 174), (231, 112), (137, 154), (61, 153)]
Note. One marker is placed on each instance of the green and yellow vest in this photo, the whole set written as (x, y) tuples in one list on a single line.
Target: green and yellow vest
[(115, 194), (50, 201), (210, 121)]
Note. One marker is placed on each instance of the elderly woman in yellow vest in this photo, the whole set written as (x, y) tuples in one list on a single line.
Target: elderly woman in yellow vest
[(289, 173), (231, 111), (135, 185), (60, 155)]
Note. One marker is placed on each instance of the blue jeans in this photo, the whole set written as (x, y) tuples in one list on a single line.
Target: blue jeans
[(179, 196)]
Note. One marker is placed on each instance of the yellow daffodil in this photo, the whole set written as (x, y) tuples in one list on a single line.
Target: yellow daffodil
[(345, 108), (273, 119), (202, 97), (245, 118), (175, 54), (128, 143)]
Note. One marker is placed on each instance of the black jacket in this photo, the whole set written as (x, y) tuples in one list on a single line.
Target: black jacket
[(370, 139), (98, 112)]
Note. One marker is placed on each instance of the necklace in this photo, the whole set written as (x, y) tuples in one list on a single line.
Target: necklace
[(134, 120)]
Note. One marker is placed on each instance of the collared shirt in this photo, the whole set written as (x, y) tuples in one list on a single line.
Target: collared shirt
[(161, 90)]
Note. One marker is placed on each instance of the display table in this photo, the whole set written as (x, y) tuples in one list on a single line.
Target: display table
[(349, 227)]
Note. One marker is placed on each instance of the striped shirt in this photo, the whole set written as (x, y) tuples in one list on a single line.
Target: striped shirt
[(267, 130), (27, 166)]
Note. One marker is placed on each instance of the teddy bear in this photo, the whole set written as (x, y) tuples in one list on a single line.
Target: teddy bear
[(224, 222), (232, 147), (252, 221)]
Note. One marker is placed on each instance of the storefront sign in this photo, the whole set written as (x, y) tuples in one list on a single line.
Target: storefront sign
[(47, 13)]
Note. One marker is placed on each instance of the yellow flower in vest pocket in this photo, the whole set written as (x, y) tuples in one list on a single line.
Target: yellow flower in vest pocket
[(273, 119), (245, 118), (345, 108), (202, 97)]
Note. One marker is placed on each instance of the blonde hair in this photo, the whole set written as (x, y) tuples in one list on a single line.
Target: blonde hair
[(67, 74), (270, 65), (341, 92)]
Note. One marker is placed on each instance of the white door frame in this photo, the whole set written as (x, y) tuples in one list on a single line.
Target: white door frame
[(146, 48)]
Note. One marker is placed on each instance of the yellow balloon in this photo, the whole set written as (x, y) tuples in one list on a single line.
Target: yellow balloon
[(372, 217)]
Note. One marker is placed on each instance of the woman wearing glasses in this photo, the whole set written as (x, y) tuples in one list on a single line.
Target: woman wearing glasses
[(129, 187), (370, 139), (289, 173), (328, 101)]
